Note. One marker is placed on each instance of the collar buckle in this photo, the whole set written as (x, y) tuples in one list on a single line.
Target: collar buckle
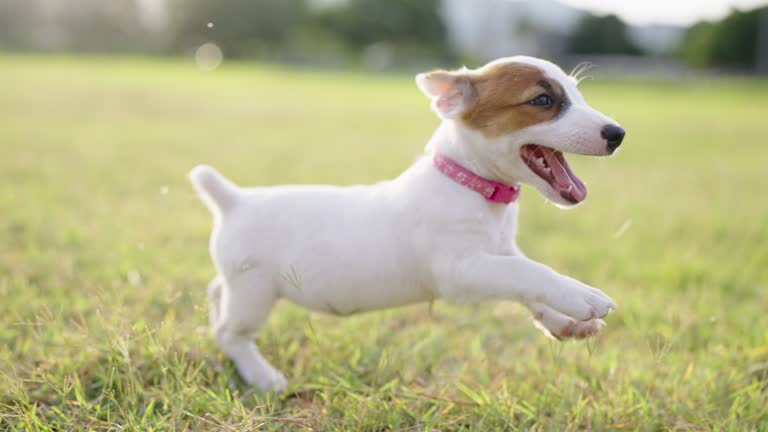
[(503, 193)]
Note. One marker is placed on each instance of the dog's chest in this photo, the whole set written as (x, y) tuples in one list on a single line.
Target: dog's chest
[(489, 229), (498, 233)]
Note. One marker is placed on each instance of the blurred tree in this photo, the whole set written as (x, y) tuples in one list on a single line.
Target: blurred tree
[(732, 42), (75, 25), (239, 27), (16, 18), (696, 46), (398, 22), (99, 26), (602, 35)]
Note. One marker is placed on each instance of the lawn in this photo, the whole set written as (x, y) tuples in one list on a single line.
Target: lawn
[(104, 264)]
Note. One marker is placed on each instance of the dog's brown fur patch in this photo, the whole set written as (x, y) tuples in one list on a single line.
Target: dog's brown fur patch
[(503, 93)]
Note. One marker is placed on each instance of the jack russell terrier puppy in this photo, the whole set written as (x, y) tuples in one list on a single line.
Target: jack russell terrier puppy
[(445, 228)]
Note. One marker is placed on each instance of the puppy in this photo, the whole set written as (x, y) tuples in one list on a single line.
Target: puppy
[(445, 228)]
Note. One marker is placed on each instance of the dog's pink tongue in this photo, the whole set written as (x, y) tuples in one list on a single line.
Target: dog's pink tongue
[(566, 182)]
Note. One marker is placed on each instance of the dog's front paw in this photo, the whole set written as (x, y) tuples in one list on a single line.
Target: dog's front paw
[(562, 327), (573, 329), (582, 302)]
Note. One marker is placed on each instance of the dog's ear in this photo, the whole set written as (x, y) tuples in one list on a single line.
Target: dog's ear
[(451, 92)]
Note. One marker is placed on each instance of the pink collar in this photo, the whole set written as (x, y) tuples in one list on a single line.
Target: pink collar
[(491, 190)]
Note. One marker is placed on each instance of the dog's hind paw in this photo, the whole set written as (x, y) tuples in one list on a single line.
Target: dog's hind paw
[(275, 383), (270, 381), (266, 379)]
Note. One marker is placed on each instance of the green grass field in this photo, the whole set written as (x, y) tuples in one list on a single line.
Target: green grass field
[(103, 260)]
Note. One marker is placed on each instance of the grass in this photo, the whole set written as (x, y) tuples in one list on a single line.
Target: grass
[(103, 260)]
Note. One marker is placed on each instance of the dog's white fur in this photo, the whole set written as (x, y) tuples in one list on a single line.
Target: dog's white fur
[(416, 238)]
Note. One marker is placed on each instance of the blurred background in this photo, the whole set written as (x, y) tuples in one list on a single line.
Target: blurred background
[(107, 104), (641, 38)]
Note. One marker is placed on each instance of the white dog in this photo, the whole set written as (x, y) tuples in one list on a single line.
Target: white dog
[(445, 228)]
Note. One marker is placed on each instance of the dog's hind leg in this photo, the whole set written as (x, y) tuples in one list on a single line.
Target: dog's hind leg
[(245, 303), (214, 299)]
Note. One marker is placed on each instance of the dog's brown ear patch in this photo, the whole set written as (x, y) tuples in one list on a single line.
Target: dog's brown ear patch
[(503, 93)]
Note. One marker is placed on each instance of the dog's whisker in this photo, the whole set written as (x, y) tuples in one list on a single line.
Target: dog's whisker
[(575, 71), (587, 67), (578, 69), (585, 77)]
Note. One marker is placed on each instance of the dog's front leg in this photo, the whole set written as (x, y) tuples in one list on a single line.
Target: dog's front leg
[(484, 276), (554, 323)]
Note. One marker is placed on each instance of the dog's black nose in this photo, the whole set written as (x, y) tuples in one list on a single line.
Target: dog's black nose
[(613, 135)]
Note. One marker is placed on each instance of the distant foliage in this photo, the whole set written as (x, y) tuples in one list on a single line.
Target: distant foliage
[(74, 25), (380, 33), (102, 26), (732, 42), (696, 46), (15, 17), (602, 35), (240, 27), (361, 23)]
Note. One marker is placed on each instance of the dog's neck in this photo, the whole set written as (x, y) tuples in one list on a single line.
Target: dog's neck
[(458, 143)]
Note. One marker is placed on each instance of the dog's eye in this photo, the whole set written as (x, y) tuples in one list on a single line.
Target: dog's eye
[(542, 100)]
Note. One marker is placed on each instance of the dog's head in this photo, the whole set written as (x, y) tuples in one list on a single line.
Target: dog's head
[(517, 116)]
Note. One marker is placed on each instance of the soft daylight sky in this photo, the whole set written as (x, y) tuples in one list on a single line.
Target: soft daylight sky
[(678, 12)]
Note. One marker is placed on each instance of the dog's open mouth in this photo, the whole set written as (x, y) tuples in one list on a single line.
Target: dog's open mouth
[(550, 165)]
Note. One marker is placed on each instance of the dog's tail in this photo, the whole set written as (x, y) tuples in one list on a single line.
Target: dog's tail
[(218, 193)]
